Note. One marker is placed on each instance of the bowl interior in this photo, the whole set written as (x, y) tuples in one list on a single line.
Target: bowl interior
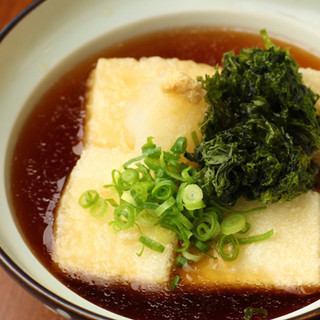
[(58, 35)]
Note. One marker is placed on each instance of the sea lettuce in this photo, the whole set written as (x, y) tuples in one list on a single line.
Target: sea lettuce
[(260, 130)]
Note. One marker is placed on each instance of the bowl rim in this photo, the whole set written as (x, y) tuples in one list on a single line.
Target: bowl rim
[(27, 282)]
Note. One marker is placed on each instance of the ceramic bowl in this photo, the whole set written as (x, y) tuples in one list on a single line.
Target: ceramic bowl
[(52, 36)]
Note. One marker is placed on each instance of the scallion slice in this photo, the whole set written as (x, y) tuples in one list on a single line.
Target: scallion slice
[(165, 206), (163, 190), (181, 261), (140, 191), (175, 282), (233, 223), (228, 247), (129, 176), (191, 257), (124, 216), (152, 244), (157, 188), (192, 196), (185, 174), (88, 198), (99, 208), (207, 226), (256, 238), (179, 146), (133, 160)]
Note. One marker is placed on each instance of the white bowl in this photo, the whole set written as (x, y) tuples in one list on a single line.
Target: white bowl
[(56, 35)]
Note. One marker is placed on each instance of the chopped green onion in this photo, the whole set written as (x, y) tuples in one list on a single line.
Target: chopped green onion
[(256, 238), (88, 198), (152, 163), (160, 190), (233, 223), (99, 208), (181, 261), (192, 196), (165, 206), (186, 175), (202, 246), (152, 244), (175, 282), (124, 216), (149, 205), (140, 191), (250, 313), (191, 257), (127, 197), (144, 173), (133, 160), (150, 149), (163, 190), (228, 247), (184, 240), (179, 146), (146, 218), (179, 195), (129, 176), (112, 202), (173, 175), (184, 221), (207, 226), (115, 176)]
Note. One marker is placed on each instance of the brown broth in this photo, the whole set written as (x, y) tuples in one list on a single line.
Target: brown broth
[(48, 148)]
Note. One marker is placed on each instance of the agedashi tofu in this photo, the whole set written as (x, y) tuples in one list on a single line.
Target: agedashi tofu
[(128, 101)]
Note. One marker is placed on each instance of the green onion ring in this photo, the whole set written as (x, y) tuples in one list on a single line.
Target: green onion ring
[(163, 190), (179, 146), (256, 238), (175, 282), (152, 244), (88, 198), (192, 196), (186, 176), (207, 226), (228, 247), (99, 208), (191, 257), (165, 206), (233, 223), (124, 216)]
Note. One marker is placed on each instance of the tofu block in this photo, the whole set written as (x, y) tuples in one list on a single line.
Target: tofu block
[(89, 246), (128, 100), (290, 259), (131, 100)]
